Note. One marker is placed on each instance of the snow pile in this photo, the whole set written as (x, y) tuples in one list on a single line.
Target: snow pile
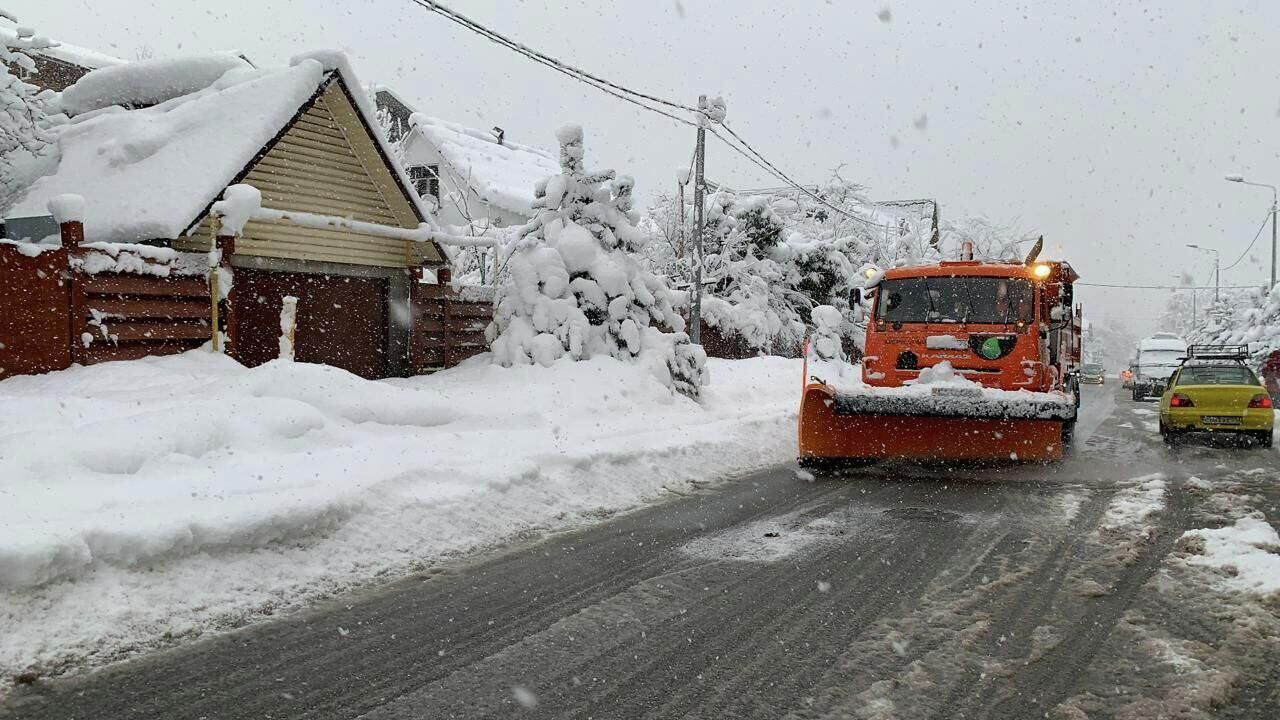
[(58, 50), (1134, 504), (236, 208), (136, 259), (66, 208), (1246, 552), (574, 288), (147, 174), (147, 82), (502, 174), (202, 490)]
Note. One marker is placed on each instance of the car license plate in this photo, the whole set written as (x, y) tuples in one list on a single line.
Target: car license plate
[(1220, 420)]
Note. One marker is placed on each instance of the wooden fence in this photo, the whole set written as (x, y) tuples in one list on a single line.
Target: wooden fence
[(73, 304), (125, 317), (35, 331), (448, 325)]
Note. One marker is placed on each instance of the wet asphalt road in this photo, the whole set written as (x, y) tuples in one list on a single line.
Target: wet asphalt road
[(880, 593)]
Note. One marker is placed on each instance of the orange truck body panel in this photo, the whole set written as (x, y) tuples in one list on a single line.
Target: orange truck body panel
[(1040, 364)]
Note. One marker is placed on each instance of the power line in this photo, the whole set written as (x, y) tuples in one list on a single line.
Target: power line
[(774, 171), (1255, 239), (493, 35), (634, 97), (1170, 287)]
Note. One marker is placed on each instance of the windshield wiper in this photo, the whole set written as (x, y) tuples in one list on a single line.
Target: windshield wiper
[(968, 294), (928, 293)]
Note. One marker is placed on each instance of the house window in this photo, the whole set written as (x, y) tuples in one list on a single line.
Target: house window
[(426, 181)]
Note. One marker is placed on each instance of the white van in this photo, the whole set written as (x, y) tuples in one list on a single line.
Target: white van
[(1158, 356)]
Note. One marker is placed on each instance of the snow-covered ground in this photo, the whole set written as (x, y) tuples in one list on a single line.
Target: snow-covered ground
[(1247, 554), (165, 497)]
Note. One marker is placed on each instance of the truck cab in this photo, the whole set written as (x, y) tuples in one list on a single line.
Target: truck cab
[(1003, 325)]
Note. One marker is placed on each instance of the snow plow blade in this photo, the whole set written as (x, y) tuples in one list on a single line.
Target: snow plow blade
[(837, 426)]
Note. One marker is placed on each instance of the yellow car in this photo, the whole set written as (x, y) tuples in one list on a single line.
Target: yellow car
[(1216, 397)]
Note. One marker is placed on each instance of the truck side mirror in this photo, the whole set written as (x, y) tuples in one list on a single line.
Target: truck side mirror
[(855, 296)]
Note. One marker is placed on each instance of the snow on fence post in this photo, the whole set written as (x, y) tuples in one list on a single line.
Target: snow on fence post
[(68, 211), (288, 326), (229, 216)]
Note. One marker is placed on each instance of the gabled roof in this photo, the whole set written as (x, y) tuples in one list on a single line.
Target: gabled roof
[(502, 174), (152, 173)]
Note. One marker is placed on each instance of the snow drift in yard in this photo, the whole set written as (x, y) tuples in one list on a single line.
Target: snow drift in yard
[(173, 495)]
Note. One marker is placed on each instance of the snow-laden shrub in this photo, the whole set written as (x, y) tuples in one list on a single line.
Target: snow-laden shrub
[(27, 146), (747, 292), (828, 328), (574, 287), (1257, 325)]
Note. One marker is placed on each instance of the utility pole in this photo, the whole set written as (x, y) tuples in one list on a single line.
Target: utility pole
[(1273, 239), (1217, 276), (699, 189)]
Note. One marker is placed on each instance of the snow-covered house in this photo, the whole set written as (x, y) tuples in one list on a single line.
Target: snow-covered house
[(151, 145), (56, 65), (475, 178)]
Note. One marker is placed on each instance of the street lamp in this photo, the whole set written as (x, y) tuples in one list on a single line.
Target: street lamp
[(1235, 178), (1217, 260)]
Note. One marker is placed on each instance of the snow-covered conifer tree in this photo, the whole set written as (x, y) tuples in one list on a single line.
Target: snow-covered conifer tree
[(574, 287), (27, 147)]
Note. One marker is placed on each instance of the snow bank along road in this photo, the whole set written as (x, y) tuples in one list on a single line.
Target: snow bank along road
[(1130, 581), (145, 503)]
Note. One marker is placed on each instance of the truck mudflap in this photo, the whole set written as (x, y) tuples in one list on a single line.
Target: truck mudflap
[(862, 427)]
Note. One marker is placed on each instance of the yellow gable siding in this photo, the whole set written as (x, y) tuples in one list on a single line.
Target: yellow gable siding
[(326, 163)]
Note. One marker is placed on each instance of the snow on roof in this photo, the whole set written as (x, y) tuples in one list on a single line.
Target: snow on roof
[(147, 174), (147, 82), (73, 54), (502, 175)]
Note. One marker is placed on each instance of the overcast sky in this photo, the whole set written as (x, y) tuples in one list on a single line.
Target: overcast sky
[(1105, 125)]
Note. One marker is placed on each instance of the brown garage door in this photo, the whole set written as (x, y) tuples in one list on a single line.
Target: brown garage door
[(341, 321)]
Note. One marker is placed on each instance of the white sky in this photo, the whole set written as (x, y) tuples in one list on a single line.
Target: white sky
[(1105, 125)]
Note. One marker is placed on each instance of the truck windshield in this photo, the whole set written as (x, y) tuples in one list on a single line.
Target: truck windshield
[(1161, 358), (990, 300)]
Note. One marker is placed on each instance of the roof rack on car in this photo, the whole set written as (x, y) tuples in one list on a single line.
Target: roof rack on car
[(1218, 352)]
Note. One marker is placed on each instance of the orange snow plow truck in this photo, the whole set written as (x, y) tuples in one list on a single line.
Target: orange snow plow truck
[(964, 361)]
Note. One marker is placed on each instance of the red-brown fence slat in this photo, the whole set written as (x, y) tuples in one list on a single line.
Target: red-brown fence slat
[(104, 352), (148, 285), (151, 307), (126, 332)]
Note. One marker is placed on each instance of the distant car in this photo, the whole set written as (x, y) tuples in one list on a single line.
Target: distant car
[(1092, 374), (1214, 392)]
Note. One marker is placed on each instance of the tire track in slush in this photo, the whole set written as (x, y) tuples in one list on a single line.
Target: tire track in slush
[(1037, 685)]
